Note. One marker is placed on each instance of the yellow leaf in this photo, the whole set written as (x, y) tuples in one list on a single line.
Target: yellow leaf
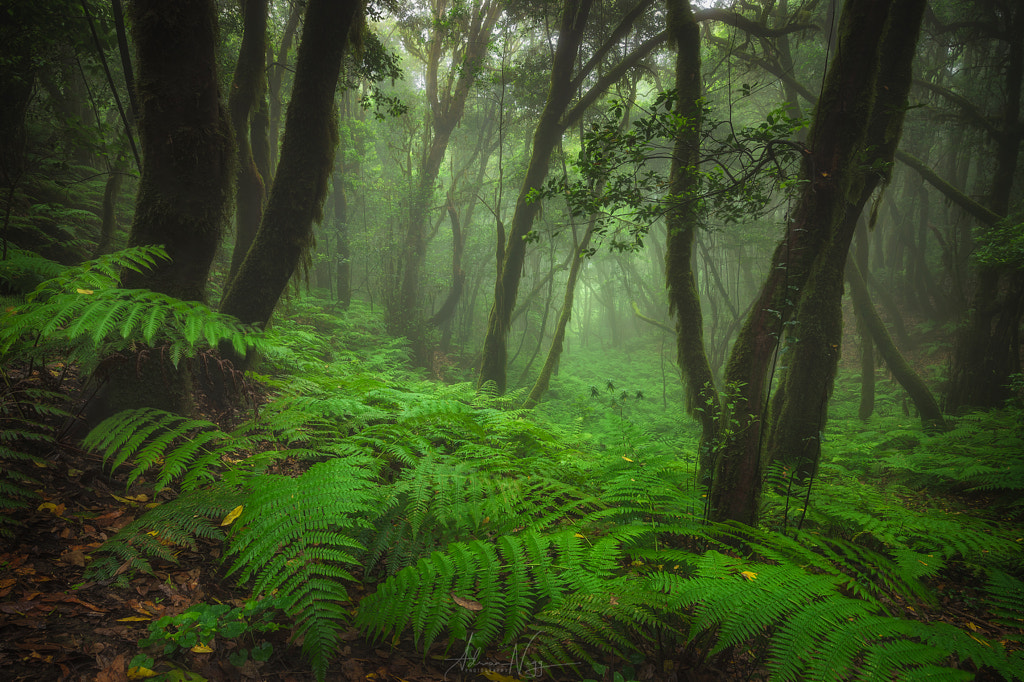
[(748, 575), (140, 673), (201, 649), (232, 515), (84, 291), (55, 509), (972, 626), (979, 641), (626, 458), (130, 498), (132, 619)]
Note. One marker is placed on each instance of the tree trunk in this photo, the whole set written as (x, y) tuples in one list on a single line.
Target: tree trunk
[(275, 82), (307, 158), (681, 222), (931, 415), (545, 138), (987, 349), (184, 192), (815, 336), (247, 89), (836, 140), (565, 314), (867, 347), (447, 104)]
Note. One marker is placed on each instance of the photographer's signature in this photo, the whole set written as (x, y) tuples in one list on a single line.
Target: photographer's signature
[(518, 665)]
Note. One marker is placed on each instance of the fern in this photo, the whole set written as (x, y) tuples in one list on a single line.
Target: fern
[(26, 417), (161, 530), (1005, 600), (489, 591), (297, 538), (84, 310), (192, 451)]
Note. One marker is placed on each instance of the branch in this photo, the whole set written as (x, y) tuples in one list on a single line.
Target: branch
[(985, 215), (969, 110)]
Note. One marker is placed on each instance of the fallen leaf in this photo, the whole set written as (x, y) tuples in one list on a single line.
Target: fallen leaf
[(232, 515), (467, 603), (55, 509), (748, 575)]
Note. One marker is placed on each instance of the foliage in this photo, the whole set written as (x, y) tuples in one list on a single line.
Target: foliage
[(491, 531), (83, 312), (199, 625), (743, 168), (1001, 245)]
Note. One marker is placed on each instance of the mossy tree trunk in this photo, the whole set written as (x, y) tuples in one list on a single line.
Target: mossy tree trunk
[(184, 192), (248, 88), (815, 336), (681, 222), (307, 159), (834, 179)]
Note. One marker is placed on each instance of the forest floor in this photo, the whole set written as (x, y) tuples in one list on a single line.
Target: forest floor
[(54, 625)]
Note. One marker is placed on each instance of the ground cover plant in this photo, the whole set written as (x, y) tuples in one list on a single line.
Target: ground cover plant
[(359, 500)]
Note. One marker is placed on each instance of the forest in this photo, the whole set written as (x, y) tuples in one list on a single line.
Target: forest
[(619, 340)]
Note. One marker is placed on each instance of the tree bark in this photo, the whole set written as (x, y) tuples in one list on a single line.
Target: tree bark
[(184, 192), (247, 89), (836, 140), (307, 158), (815, 337), (681, 221)]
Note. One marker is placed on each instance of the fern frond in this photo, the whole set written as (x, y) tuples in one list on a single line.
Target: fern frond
[(468, 589), (192, 450), (1005, 599), (158, 532), (298, 536)]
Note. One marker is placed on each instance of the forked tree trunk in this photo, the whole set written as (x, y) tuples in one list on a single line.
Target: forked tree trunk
[(447, 103), (836, 139), (815, 336), (307, 158)]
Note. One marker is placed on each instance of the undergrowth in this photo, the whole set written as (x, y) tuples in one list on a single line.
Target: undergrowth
[(490, 529)]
